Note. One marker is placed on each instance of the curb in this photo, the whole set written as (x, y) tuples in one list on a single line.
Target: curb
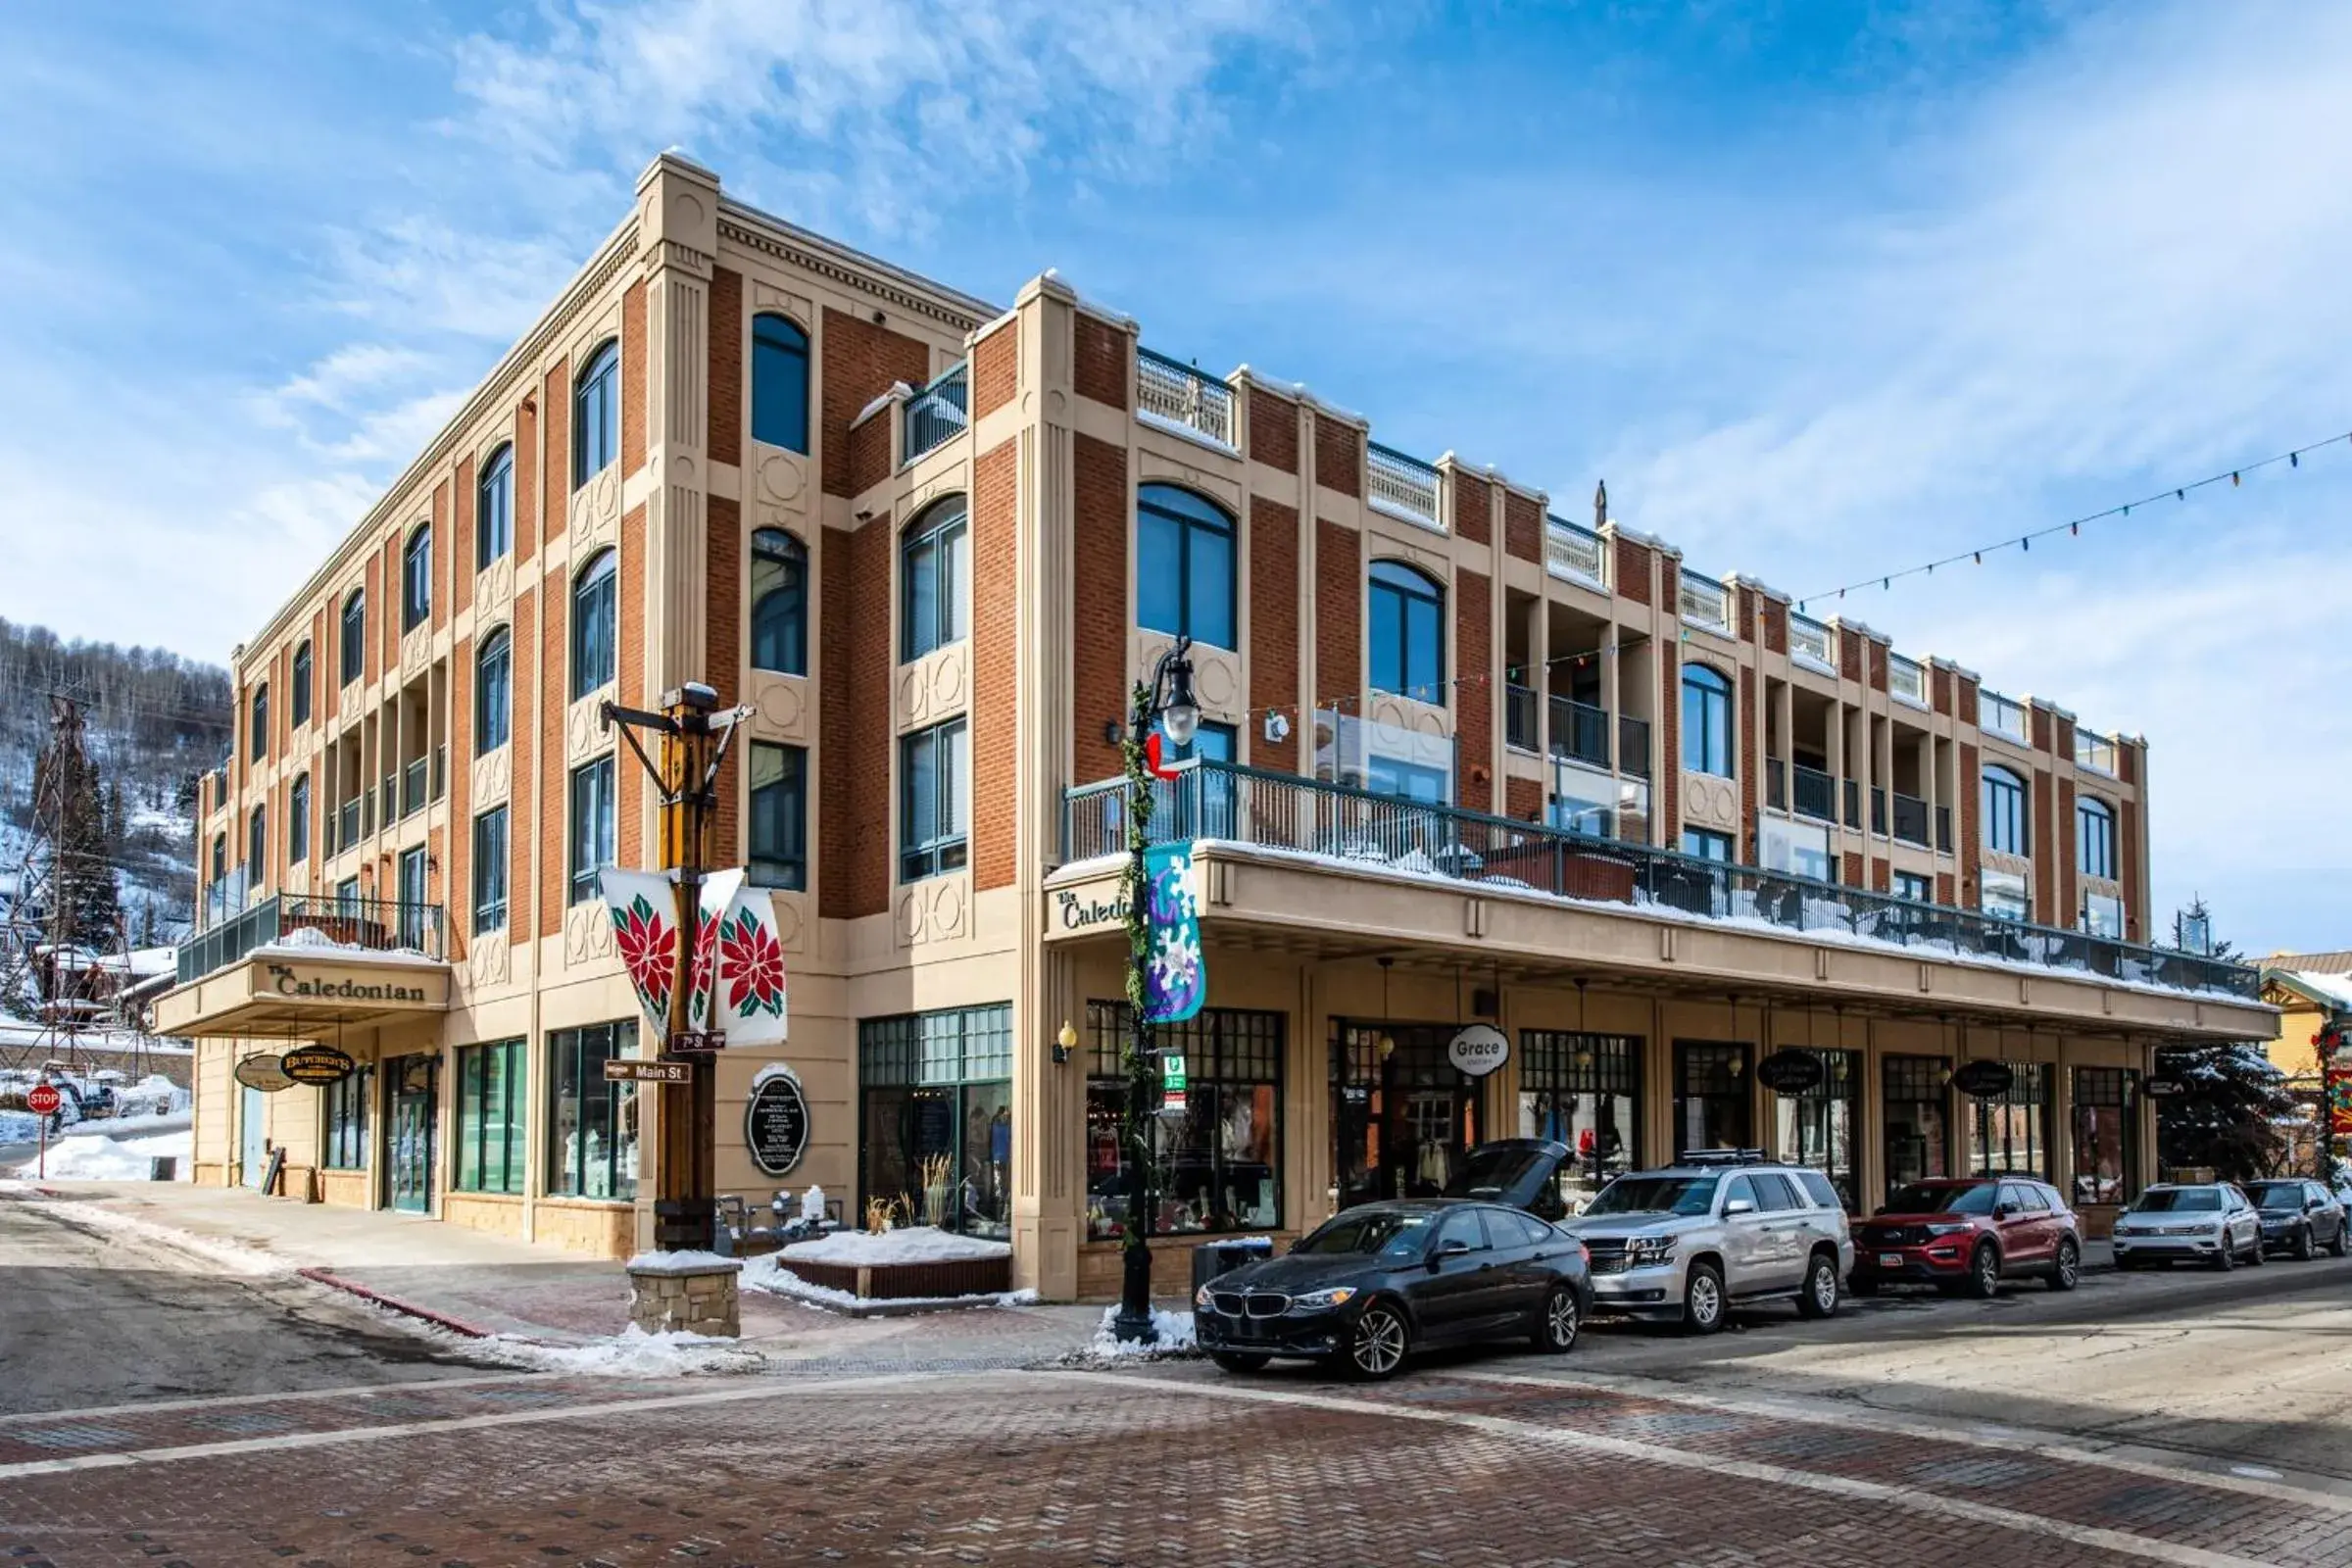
[(393, 1303)]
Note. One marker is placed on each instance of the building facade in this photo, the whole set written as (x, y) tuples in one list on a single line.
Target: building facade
[(1462, 761)]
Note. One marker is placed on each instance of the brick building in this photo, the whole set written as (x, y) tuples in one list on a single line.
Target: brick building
[(1463, 759)]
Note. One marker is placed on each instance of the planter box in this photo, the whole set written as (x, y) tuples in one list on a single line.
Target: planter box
[(885, 1282)]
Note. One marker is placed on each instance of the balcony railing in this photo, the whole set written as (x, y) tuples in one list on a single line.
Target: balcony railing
[(2095, 751), (373, 925), (1580, 732), (411, 788), (1574, 553), (1813, 793), (1180, 395), (1519, 717), (1704, 602), (1403, 486), (938, 414), (1907, 681), (1809, 643), (1353, 827), (1911, 819), (1999, 716), (1632, 746)]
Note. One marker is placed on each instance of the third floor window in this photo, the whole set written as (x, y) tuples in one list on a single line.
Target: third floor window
[(596, 416), (779, 603), (299, 699), (258, 724), (1707, 721), (779, 384), (1183, 566), (594, 604), (2004, 811), (1408, 632), (934, 815), (779, 816), (354, 636), (2094, 837), (493, 693), (935, 574), (494, 510), (417, 579)]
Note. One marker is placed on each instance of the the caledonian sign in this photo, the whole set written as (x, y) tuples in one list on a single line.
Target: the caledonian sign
[(1083, 911), (286, 980)]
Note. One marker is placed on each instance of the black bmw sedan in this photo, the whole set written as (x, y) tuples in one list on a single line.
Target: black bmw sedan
[(1381, 1281)]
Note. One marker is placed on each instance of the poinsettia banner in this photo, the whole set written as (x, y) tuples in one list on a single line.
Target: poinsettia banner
[(1176, 980), (747, 979), (643, 906), (719, 889)]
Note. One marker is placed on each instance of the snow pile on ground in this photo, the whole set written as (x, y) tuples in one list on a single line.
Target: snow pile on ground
[(92, 1156), (767, 1274), (19, 1127), (152, 1095), (1175, 1338), (913, 1244), (630, 1354)]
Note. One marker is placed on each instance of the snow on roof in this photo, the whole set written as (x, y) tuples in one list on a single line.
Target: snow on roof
[(2328, 990)]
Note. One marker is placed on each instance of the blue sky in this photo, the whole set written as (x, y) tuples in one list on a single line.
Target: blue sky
[(1821, 289)]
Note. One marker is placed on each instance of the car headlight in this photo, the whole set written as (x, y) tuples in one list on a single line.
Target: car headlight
[(1948, 1227), (1200, 1299), (1324, 1300), (1642, 1251)]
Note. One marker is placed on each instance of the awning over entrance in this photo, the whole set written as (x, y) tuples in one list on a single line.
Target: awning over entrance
[(290, 995)]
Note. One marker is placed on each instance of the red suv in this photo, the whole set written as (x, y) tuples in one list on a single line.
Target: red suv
[(1966, 1234)]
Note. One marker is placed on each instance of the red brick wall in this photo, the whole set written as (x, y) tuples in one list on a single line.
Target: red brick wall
[(1338, 614), (726, 365), (1669, 814), (1633, 571), (1273, 430), (2040, 728), (522, 739), (2069, 902), (1473, 507), (857, 361), (1274, 623), (630, 803), (1338, 456), (722, 611), (1852, 875), (855, 650), (2044, 847), (1523, 798), (463, 554), (1744, 615), (1939, 686), (556, 449), (996, 369), (1101, 354), (869, 452), (1522, 529), (1775, 618), (440, 565), (371, 618), (2126, 861), (1945, 893), (460, 915), (1964, 700), (554, 854), (1877, 666), (1972, 827), (633, 387), (1881, 875), (527, 491), (389, 622), (1849, 655), (1474, 691), (996, 666), (324, 671), (1098, 614), (2062, 736)]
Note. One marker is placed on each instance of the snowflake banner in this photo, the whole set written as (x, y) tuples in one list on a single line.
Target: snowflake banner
[(1176, 981)]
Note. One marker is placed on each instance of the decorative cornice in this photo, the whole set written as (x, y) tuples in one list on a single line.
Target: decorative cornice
[(873, 278)]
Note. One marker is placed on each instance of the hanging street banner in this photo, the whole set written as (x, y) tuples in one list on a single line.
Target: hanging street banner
[(2337, 1080), (1175, 979), (738, 980), (643, 906)]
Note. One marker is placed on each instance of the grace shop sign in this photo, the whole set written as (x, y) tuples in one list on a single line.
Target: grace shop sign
[(1478, 1049)]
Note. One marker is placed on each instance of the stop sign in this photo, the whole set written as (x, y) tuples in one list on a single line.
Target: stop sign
[(43, 1099)]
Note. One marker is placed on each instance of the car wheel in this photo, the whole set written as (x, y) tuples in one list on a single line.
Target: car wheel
[(1863, 1284), (1376, 1346), (2342, 1243), (1984, 1272), (1819, 1297), (2066, 1271), (1702, 1298), (1557, 1323), (2228, 1260), (1240, 1360), (2255, 1257), (2305, 1247)]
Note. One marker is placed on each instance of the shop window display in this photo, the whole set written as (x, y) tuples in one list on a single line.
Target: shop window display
[(2009, 1134), (1585, 1091), (935, 1118), (592, 1124), (2105, 1147), (1917, 1118), (1817, 1127), (1216, 1165)]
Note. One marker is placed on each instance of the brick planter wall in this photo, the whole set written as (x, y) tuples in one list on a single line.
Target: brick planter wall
[(884, 1282)]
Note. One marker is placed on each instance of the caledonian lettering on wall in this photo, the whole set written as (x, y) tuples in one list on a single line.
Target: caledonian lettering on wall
[(1082, 911), (287, 982)]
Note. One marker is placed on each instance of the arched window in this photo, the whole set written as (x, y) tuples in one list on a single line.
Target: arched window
[(1707, 721), (257, 847), (935, 580), (2004, 811), (2094, 837), (595, 648), (298, 822), (596, 416), (1184, 576), (300, 697), (493, 693), (779, 384), (779, 603), (417, 578), (1408, 632), (354, 636), (257, 728), (494, 508)]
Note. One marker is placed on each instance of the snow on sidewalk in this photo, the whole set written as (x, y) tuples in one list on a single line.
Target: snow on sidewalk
[(90, 1155)]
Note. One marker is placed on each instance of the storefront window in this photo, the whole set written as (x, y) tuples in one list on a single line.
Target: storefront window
[(935, 1117), (1401, 1113), (490, 1117), (592, 1126), (1215, 1165), (1817, 1128), (1711, 1105), (346, 1104), (2009, 1133), (1917, 1112), (1584, 1091), (2105, 1147)]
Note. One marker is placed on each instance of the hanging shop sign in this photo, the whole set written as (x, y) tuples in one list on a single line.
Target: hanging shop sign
[(1792, 1072), (316, 1064), (1983, 1079), (2161, 1087), (1478, 1049), (263, 1073), (775, 1120)]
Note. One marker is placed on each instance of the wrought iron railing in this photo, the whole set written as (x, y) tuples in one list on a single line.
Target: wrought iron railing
[(1176, 392), (1704, 602), (1345, 826), (2095, 751), (1809, 643), (1573, 552), (1403, 485), (936, 415), (1906, 680), (1813, 793), (375, 926), (1632, 746), (2001, 717), (1519, 717), (1910, 820), (1580, 732)]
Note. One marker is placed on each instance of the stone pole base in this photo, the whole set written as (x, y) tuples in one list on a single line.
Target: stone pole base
[(685, 1293)]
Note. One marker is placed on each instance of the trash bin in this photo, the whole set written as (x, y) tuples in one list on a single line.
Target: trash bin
[(1212, 1258), (163, 1168)]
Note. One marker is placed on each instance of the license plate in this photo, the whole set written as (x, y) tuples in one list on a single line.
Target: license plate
[(1891, 1260)]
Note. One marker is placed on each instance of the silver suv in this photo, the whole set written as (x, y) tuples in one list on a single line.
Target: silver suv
[(1714, 1232)]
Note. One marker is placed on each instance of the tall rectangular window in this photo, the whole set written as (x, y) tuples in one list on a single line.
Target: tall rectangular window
[(490, 1117), (346, 1105), (1585, 1091), (935, 584), (1712, 1107), (1818, 1127), (354, 636), (299, 700), (592, 826), (935, 1117), (2004, 800), (2010, 1133), (257, 729), (592, 1128), (1916, 1107), (490, 870), (779, 801), (417, 579), (494, 508), (298, 822), (2106, 1134), (493, 693), (934, 817), (1218, 1165)]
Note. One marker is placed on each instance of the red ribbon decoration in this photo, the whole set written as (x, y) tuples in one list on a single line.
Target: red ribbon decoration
[(1152, 760)]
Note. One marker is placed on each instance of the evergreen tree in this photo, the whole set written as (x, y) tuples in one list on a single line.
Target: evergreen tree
[(2229, 1117)]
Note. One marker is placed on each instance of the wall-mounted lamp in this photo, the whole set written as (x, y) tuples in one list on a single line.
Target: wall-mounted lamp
[(1111, 732), (1065, 1043)]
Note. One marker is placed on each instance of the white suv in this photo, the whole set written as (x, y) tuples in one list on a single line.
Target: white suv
[(1716, 1231)]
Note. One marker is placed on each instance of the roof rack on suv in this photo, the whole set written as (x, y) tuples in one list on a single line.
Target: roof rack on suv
[(1720, 1157)]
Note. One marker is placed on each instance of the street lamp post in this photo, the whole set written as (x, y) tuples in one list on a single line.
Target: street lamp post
[(1167, 698)]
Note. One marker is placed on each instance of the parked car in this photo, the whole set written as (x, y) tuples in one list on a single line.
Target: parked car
[(1693, 1241), (2299, 1217), (1966, 1234), (1380, 1282), (2199, 1222)]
